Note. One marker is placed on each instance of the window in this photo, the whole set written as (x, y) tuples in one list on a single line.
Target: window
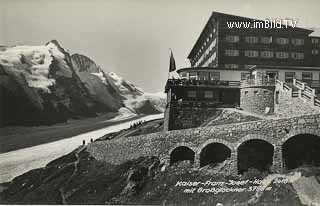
[(266, 39), (297, 55), (314, 41), (282, 55), (289, 76), (245, 75), (214, 75), (208, 94), (192, 94), (232, 39), (251, 53), (297, 42), (272, 74), (193, 75), (251, 39), (203, 76), (231, 66), (266, 54), (282, 40), (184, 75), (231, 52), (315, 51), (306, 76)]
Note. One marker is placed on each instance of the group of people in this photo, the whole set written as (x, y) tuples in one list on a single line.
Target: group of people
[(136, 124), (84, 141)]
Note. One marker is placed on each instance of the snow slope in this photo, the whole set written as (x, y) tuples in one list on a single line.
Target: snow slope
[(55, 86), (17, 162)]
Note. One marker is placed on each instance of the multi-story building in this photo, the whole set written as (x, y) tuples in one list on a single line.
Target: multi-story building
[(223, 56)]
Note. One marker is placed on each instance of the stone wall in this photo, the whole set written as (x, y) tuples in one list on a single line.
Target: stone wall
[(257, 99), (161, 144), (166, 119), (184, 118), (286, 105)]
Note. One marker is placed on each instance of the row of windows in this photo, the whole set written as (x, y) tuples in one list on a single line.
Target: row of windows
[(204, 75), (210, 75), (206, 42), (265, 40), (207, 94), (289, 76), (207, 51), (314, 41), (265, 54)]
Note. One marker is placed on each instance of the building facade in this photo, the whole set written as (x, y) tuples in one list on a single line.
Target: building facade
[(229, 51)]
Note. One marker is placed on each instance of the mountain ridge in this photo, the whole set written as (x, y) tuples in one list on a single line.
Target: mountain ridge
[(43, 85)]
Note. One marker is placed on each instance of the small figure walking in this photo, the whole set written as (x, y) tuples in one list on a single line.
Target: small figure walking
[(91, 140), (83, 142)]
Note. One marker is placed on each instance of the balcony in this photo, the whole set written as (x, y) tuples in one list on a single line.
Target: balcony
[(201, 83), (197, 104)]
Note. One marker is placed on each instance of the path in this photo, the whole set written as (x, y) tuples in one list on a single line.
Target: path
[(75, 170), (17, 162)]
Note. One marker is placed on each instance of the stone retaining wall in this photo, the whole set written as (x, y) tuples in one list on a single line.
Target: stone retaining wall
[(257, 99), (233, 135)]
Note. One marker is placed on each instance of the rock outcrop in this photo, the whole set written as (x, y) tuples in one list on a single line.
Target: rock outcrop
[(46, 84)]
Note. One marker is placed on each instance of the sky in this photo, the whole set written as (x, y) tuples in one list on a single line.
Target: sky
[(132, 37)]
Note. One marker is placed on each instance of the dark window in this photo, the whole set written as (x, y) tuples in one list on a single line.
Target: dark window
[(208, 94), (289, 76), (306, 76), (192, 94), (214, 75)]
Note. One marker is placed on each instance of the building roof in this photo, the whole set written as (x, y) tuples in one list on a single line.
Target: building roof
[(217, 15)]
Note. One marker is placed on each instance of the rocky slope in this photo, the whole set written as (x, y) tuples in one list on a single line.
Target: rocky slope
[(78, 178), (46, 84)]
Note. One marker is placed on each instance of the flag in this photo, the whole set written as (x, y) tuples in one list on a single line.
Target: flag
[(172, 66)]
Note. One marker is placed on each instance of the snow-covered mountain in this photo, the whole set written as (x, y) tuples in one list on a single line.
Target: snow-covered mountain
[(46, 84)]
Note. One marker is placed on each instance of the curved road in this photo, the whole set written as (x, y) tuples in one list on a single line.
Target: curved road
[(17, 162)]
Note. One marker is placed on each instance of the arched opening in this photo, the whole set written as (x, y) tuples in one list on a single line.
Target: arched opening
[(255, 153), (302, 149), (214, 153), (181, 153)]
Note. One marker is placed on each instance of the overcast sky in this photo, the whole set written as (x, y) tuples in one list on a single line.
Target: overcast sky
[(132, 37)]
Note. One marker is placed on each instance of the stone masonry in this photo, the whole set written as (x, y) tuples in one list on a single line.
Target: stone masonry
[(161, 144)]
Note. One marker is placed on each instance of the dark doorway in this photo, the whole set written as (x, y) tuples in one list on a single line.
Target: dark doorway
[(180, 154), (255, 153), (214, 153), (301, 150)]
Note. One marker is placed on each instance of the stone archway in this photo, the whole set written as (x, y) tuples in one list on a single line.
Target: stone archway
[(301, 149), (255, 153), (181, 153), (214, 153)]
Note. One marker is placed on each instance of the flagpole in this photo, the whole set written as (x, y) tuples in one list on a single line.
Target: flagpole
[(169, 58)]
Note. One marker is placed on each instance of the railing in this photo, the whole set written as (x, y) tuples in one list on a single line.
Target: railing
[(306, 92), (311, 83), (317, 102), (258, 82), (191, 82), (194, 104), (295, 94), (298, 84)]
